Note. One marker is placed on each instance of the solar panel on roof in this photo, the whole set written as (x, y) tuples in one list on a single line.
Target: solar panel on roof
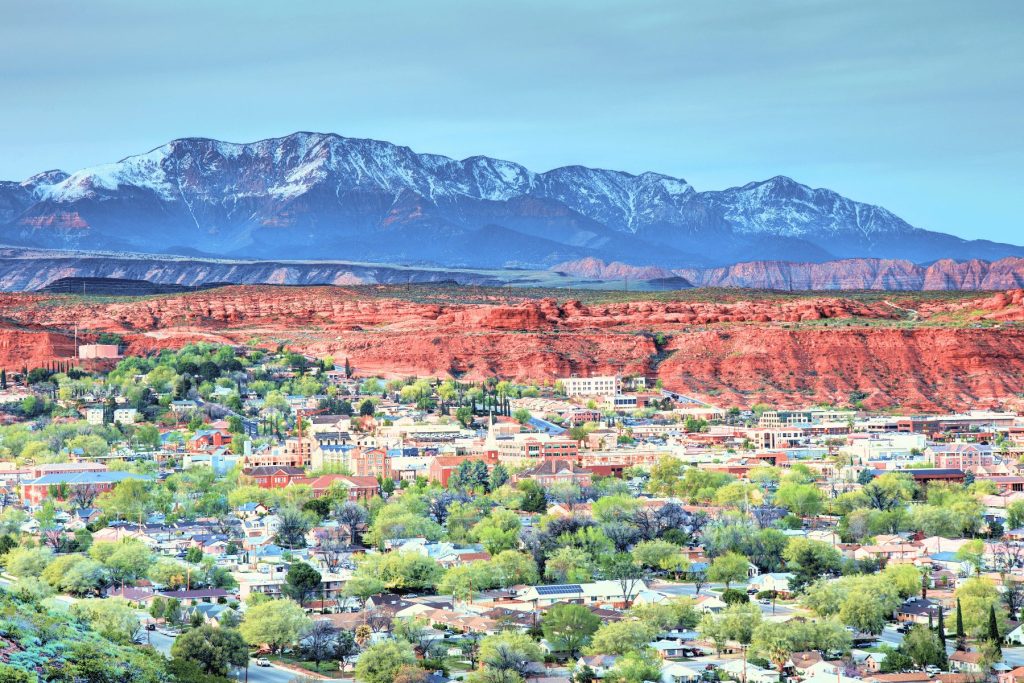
[(558, 590)]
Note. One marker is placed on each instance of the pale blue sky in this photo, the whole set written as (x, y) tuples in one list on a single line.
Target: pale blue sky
[(916, 106)]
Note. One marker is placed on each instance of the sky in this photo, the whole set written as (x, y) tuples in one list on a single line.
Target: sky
[(912, 105)]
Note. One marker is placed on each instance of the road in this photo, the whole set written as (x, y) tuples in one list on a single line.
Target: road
[(162, 642), (686, 589)]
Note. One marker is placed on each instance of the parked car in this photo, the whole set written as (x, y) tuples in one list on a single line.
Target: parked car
[(262, 661), (151, 626)]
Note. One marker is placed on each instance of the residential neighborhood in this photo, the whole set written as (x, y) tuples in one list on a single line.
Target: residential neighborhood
[(221, 512)]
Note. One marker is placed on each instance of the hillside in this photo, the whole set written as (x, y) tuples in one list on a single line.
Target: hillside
[(911, 350)]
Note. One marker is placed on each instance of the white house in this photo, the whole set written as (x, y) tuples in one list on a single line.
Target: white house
[(678, 672)]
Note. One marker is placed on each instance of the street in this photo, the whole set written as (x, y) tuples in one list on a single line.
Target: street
[(686, 589), (257, 674)]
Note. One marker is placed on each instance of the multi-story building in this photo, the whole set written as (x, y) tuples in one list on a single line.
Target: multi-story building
[(289, 454), (609, 385), (969, 457), (371, 462), (125, 416), (95, 415)]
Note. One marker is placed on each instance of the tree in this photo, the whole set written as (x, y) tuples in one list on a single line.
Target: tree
[(569, 627), (293, 524), (113, 618), (803, 500), (213, 649), (993, 630), (510, 651), (499, 477), (728, 568), (353, 517), (972, 552), (319, 642), (381, 662), (301, 582), (923, 647), (941, 633), (654, 554), (978, 598), (810, 560), (276, 623), (961, 637), (622, 637), (635, 667), (630, 575)]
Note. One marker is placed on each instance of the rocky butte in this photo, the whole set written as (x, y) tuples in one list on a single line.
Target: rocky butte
[(911, 350)]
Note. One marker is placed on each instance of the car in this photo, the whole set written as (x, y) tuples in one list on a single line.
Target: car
[(150, 627), (765, 601), (262, 661)]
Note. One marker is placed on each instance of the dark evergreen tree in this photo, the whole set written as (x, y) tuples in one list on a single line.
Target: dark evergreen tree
[(961, 637), (993, 630)]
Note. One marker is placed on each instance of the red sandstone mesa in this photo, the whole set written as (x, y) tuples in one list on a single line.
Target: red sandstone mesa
[(787, 351)]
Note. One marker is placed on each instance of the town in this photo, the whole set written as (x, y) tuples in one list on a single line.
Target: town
[(217, 511)]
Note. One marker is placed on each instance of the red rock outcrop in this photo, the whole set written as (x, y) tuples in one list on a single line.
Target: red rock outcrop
[(913, 351)]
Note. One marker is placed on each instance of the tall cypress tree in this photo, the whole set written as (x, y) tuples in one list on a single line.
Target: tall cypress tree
[(961, 641), (931, 622), (993, 629), (942, 630)]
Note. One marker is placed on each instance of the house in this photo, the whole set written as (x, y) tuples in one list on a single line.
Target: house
[(557, 470), (192, 597), (273, 477), (751, 672), (966, 662), (356, 488), (95, 415), (594, 593), (678, 672), (599, 664), (919, 611), (1012, 676), (669, 649), (709, 604), (772, 581), (1016, 635)]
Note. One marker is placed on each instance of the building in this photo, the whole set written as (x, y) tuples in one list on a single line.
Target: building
[(290, 454), (125, 416), (371, 462), (969, 457), (358, 488), (66, 485), (274, 477), (557, 470), (99, 351), (592, 386), (95, 415)]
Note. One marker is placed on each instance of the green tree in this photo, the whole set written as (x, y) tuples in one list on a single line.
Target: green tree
[(215, 650), (622, 637), (301, 583), (381, 662), (569, 627), (728, 568), (276, 623)]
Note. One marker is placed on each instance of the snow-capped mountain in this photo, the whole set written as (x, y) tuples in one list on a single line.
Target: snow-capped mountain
[(312, 195)]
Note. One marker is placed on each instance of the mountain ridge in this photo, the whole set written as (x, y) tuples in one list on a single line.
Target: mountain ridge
[(327, 196)]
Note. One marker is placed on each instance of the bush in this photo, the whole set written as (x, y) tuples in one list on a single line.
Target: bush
[(734, 596)]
